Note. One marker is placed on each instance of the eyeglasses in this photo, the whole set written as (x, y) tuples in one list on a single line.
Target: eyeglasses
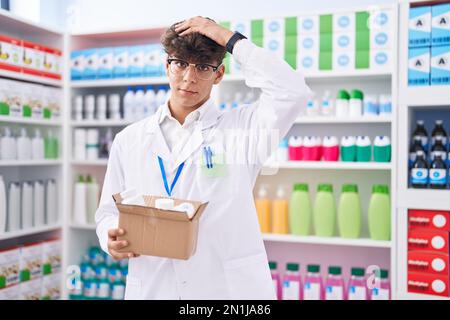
[(203, 71)]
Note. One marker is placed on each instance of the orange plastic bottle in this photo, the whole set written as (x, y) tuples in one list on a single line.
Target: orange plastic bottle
[(262, 204), (280, 212)]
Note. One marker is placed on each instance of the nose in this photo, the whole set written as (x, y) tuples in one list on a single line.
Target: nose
[(190, 75)]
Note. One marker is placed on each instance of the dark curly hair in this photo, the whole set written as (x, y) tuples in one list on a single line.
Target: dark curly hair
[(193, 47)]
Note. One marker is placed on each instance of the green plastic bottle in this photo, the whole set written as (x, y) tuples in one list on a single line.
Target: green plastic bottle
[(380, 213), (300, 211), (324, 211), (349, 212)]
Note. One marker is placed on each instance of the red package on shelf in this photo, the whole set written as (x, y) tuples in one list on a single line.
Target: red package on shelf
[(52, 63), (428, 284), (428, 262), (429, 219), (426, 240), (33, 58), (10, 54)]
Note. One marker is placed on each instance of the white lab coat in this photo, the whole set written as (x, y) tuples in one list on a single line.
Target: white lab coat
[(230, 261)]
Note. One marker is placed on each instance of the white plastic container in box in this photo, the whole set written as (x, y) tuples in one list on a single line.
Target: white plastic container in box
[(11, 52), (31, 261), (9, 267)]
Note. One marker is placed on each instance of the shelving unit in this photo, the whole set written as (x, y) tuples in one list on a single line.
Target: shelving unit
[(12, 171), (410, 99), (329, 165)]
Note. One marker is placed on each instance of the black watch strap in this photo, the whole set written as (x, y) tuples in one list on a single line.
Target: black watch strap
[(234, 38)]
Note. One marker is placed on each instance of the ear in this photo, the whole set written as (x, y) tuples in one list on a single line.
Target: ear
[(219, 74)]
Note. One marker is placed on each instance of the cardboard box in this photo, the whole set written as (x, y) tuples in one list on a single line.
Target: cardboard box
[(51, 256), (440, 25), (30, 290), (33, 58), (344, 41), (242, 26), (136, 61), (52, 64), (419, 66), (429, 219), (381, 19), (30, 262), (308, 25), (51, 287), (344, 22), (428, 262), (440, 65), (105, 63), (425, 240), (419, 26), (343, 60), (120, 69), (91, 64), (77, 63), (156, 232), (11, 52), (428, 284), (9, 267)]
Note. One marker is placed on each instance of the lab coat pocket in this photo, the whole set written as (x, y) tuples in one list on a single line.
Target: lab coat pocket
[(133, 289), (249, 278)]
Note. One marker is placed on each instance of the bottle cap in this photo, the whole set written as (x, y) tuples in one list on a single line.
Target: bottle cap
[(357, 94), (343, 94), (325, 187), (439, 122), (378, 188), (383, 274), (292, 266), (335, 270), (272, 265), (358, 272), (301, 187), (350, 188), (313, 268), (420, 122)]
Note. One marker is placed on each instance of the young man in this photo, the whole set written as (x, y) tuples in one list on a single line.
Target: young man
[(230, 261)]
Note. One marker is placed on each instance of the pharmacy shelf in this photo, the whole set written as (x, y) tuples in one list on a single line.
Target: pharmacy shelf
[(101, 123), (427, 96), (417, 296), (366, 75), (32, 231), (29, 163), (330, 165), (31, 121), (334, 241), (99, 162), (118, 82), (83, 226), (30, 78), (334, 120), (425, 199)]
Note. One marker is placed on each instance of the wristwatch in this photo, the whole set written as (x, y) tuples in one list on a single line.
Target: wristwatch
[(234, 38)]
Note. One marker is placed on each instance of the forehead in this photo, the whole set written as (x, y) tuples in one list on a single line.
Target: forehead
[(192, 60)]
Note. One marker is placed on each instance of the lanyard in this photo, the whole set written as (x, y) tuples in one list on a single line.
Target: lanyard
[(163, 174)]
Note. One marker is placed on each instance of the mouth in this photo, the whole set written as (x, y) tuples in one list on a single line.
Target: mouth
[(187, 92)]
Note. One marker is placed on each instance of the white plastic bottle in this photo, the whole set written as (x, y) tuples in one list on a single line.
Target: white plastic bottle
[(2, 206), (8, 145), (92, 144), (114, 107), (149, 100), (78, 108), (51, 202), (37, 146), (92, 197), (14, 213), (79, 201), (27, 205), (128, 105), (90, 107), (139, 104), (38, 204), (101, 107), (161, 96), (23, 146), (327, 106), (356, 104), (312, 108), (79, 148), (342, 104)]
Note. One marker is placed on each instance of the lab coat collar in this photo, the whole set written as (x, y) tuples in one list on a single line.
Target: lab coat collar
[(209, 116)]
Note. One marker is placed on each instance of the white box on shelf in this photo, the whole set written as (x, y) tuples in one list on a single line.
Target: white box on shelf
[(120, 62), (308, 63), (273, 27), (381, 19), (344, 22), (274, 44), (10, 293), (308, 45), (154, 60), (344, 41), (440, 25), (91, 64), (51, 287), (242, 26), (77, 63), (33, 58), (105, 63), (31, 261), (380, 39), (30, 290), (440, 65), (51, 256), (10, 266), (343, 60), (136, 61), (419, 66), (308, 24), (419, 31), (11, 53), (380, 60)]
